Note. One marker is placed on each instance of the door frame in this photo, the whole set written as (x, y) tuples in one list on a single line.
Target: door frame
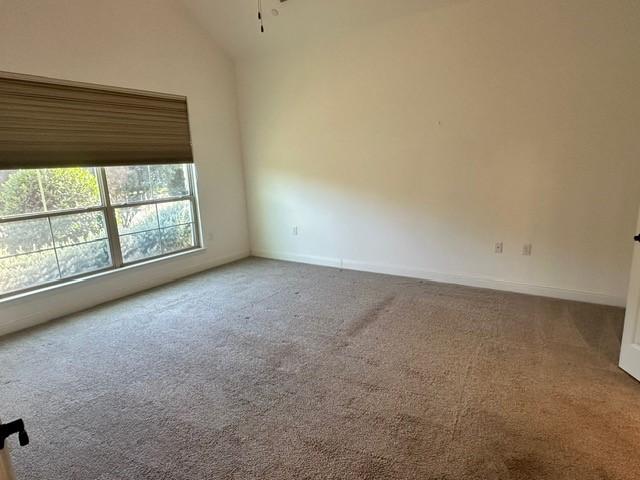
[(630, 347)]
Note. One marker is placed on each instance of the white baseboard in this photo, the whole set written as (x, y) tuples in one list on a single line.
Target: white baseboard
[(66, 299), (458, 279)]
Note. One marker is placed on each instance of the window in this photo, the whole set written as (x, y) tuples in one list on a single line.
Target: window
[(62, 223), (66, 210)]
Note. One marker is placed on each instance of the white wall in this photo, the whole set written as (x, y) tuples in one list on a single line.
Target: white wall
[(149, 45), (412, 145)]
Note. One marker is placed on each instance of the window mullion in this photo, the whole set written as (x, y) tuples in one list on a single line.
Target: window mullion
[(112, 224)]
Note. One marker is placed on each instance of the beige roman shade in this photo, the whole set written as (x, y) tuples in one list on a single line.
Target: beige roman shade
[(46, 123)]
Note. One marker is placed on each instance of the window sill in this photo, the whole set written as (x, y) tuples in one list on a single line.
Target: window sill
[(77, 281)]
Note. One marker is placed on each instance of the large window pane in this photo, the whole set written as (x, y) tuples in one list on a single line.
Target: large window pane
[(78, 228), (169, 181), (177, 238), (137, 246), (155, 228), (24, 271), (83, 258), (150, 182), (47, 190), (19, 192), (81, 242), (129, 184), (174, 213), (136, 219), (24, 236), (70, 188)]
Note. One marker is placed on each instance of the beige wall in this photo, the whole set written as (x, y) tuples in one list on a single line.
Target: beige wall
[(149, 45), (413, 145)]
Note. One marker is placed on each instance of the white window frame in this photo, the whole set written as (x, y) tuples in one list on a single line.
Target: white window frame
[(113, 236)]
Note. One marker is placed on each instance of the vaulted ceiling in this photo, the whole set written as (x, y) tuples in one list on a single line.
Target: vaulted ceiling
[(233, 23)]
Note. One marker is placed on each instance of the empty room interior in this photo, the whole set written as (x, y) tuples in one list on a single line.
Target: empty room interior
[(304, 239)]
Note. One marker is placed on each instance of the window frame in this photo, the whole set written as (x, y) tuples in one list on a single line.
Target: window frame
[(108, 210)]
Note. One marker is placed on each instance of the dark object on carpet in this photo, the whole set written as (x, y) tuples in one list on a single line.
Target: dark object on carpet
[(274, 370)]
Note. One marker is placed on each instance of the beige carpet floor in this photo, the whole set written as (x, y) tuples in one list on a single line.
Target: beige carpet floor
[(272, 370)]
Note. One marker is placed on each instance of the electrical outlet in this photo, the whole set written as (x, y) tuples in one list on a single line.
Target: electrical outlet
[(294, 230), (499, 247), (526, 250)]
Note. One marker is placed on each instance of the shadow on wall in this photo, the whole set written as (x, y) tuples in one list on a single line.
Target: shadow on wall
[(426, 139)]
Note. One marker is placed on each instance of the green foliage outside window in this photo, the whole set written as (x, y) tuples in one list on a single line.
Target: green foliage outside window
[(47, 190), (27, 255)]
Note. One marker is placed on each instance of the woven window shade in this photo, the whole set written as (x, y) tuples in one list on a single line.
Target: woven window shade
[(46, 123)]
